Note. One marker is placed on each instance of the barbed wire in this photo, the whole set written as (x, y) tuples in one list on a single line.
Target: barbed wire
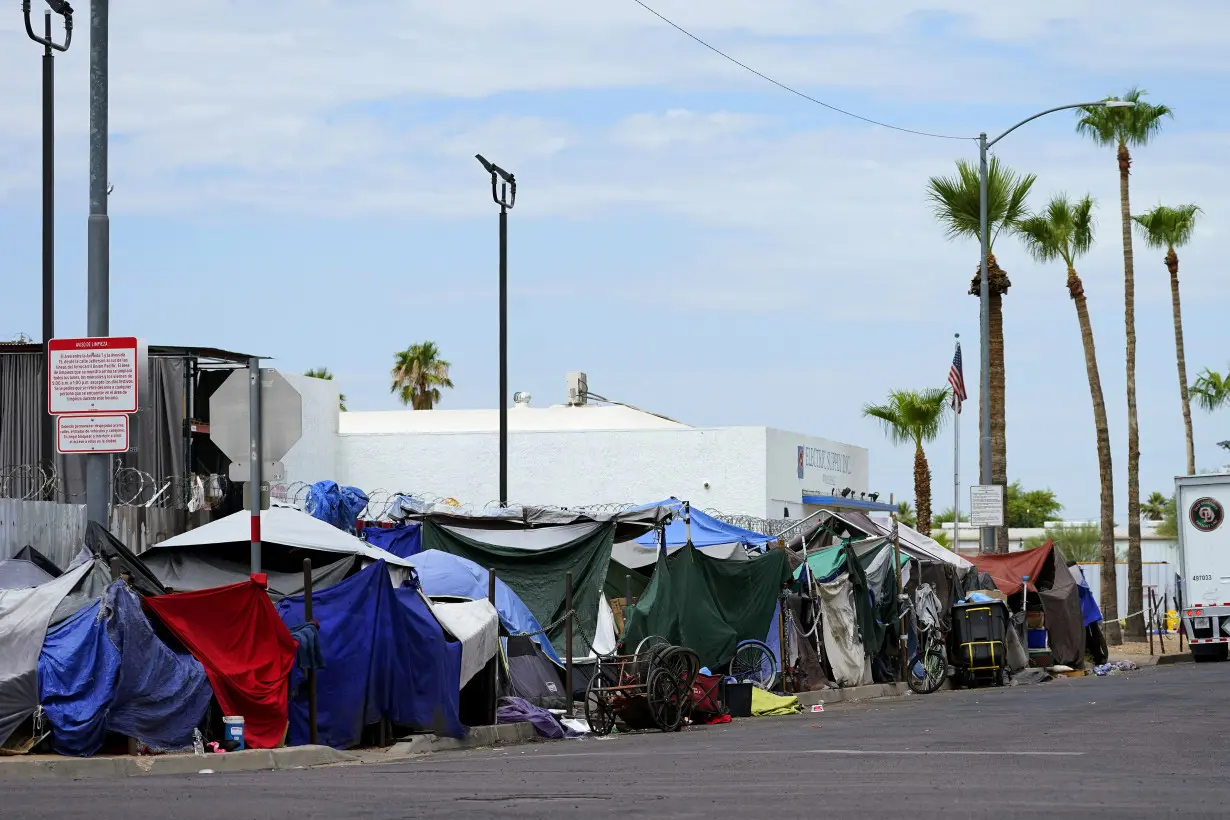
[(130, 487)]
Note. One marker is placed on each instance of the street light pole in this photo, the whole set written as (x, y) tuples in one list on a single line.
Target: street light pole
[(98, 317), (504, 193), (984, 296), (47, 447)]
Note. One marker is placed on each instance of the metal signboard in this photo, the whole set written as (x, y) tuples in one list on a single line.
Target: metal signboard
[(94, 376), (986, 505), (281, 421), (92, 434)]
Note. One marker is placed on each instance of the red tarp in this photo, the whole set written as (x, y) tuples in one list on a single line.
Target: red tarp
[(1008, 569), (246, 650)]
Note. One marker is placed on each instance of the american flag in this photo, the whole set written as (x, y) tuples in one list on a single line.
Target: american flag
[(957, 379)]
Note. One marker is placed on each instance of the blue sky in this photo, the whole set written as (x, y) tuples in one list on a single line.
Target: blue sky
[(297, 180)]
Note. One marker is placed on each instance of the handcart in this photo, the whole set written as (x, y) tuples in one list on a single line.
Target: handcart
[(650, 688)]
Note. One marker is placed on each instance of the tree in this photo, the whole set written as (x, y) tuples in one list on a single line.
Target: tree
[(905, 514), (1064, 232), (418, 374), (1081, 543), (917, 417), (946, 517), (1123, 128), (1166, 229), (323, 373), (1029, 508), (1211, 391), (1169, 528), (955, 201)]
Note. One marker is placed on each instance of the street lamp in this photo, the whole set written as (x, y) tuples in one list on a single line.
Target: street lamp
[(504, 192), (50, 47), (984, 290)]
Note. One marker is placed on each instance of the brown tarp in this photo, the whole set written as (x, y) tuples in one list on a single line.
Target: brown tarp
[(1050, 579)]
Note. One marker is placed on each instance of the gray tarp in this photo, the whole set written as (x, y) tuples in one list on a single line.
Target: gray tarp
[(16, 573), (842, 643), (188, 570), (24, 614), (89, 589), (1064, 624)]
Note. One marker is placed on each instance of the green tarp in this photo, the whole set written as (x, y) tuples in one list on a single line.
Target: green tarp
[(537, 576), (618, 578), (876, 609), (708, 604)]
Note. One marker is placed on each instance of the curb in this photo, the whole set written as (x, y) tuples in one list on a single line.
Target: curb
[(853, 693), (505, 734), (88, 768), (1178, 657)]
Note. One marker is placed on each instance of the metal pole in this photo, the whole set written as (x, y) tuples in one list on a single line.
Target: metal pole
[(568, 641), (901, 628), (503, 356), (313, 735), (115, 569), (783, 651), (956, 470), (1161, 632), (98, 253), (493, 675), (47, 421), (254, 456), (987, 542), (1149, 622), (1178, 605)]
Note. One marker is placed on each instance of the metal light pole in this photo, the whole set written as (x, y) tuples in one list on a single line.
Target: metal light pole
[(47, 448), (98, 321), (984, 295), (504, 192)]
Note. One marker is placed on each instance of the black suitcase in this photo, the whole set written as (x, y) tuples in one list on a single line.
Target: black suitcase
[(979, 630)]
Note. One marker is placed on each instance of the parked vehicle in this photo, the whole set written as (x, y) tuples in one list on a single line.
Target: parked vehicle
[(1204, 543)]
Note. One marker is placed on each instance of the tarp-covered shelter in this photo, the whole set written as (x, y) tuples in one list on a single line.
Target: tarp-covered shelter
[(831, 527), (708, 604), (24, 617), (218, 554), (18, 573), (106, 670), (709, 535), (629, 524), (246, 650), (534, 562), (404, 541), (105, 547), (1052, 583), (335, 504), (28, 553), (386, 656)]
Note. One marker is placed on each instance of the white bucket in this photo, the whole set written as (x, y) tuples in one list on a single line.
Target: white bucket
[(233, 725)]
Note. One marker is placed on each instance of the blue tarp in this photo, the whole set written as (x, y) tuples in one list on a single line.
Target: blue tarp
[(444, 575), (1091, 613), (336, 505), (707, 531), (385, 656), (112, 673), (401, 541)]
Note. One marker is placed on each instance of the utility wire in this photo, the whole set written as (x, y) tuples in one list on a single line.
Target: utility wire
[(785, 87)]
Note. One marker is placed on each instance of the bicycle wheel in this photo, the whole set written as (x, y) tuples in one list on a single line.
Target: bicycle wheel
[(927, 670), (645, 651), (598, 712), (754, 662)]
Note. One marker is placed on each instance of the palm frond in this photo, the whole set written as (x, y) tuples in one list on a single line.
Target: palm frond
[(1210, 391), (911, 416), (1063, 231), (956, 199), (1165, 228), (1130, 125)]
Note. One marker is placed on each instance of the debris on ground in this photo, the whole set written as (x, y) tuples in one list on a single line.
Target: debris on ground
[(1116, 666)]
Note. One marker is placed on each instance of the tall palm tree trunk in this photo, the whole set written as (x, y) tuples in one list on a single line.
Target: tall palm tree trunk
[(999, 440), (1135, 601), (1108, 594), (1172, 265), (922, 490)]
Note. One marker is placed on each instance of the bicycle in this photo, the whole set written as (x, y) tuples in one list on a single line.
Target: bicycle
[(928, 666)]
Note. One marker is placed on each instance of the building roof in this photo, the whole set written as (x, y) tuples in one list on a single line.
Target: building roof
[(557, 418)]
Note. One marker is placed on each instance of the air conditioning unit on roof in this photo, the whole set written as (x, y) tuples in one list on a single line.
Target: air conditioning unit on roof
[(578, 388)]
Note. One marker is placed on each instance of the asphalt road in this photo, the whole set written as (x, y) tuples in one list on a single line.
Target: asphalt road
[(1091, 747)]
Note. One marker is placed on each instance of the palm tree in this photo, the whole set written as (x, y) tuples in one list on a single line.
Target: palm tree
[(1155, 507), (1166, 229), (956, 203), (418, 374), (323, 373), (1123, 128), (914, 416), (1211, 391), (905, 514), (1064, 232)]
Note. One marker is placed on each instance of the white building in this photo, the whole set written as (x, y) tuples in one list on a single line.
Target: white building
[(570, 455)]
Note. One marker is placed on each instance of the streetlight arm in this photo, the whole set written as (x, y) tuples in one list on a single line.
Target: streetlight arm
[(62, 8), (1043, 114)]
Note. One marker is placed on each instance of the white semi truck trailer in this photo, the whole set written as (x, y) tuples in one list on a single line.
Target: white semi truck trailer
[(1204, 541)]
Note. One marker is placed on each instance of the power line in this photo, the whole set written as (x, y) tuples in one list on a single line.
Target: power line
[(785, 87)]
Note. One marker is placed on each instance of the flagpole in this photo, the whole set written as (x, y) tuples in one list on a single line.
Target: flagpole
[(956, 469)]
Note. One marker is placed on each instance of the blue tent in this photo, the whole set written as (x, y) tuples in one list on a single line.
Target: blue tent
[(1091, 613), (707, 531), (106, 670), (444, 575), (385, 655), (401, 541)]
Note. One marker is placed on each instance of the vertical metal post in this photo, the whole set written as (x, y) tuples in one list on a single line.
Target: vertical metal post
[(901, 627), (783, 650), (1149, 622), (987, 541), (1178, 605), (47, 436), (503, 356), (956, 468), (313, 735), (627, 594), (493, 675), (568, 641), (115, 569), (254, 456), (1161, 631), (98, 252)]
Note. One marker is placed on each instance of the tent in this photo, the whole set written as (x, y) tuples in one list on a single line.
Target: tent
[(852, 523), (533, 563), (1051, 581), (711, 536), (28, 553), (246, 650), (18, 573), (386, 656), (24, 616), (403, 541), (106, 670), (708, 604), (105, 547)]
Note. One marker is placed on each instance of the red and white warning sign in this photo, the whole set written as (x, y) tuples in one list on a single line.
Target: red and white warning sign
[(97, 375), (92, 434)]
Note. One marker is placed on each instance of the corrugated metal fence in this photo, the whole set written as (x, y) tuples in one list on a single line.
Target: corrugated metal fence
[(58, 530), (1159, 576)]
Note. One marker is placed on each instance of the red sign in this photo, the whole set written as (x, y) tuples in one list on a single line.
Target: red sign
[(92, 376), (92, 434)]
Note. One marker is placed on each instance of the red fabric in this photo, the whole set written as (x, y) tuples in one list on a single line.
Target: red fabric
[(714, 720), (1007, 570), (246, 650), (705, 693)]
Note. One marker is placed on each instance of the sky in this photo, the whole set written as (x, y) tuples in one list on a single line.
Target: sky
[(296, 180)]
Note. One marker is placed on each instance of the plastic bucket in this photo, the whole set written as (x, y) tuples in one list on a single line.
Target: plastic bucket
[(1037, 638), (233, 726)]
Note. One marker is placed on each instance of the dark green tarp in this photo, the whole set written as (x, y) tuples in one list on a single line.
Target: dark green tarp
[(537, 575), (708, 604), (617, 581)]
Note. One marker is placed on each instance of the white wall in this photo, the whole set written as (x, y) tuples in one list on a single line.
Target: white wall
[(314, 457), (567, 468), (826, 464)]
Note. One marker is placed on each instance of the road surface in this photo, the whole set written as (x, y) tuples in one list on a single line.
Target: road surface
[(1092, 747)]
